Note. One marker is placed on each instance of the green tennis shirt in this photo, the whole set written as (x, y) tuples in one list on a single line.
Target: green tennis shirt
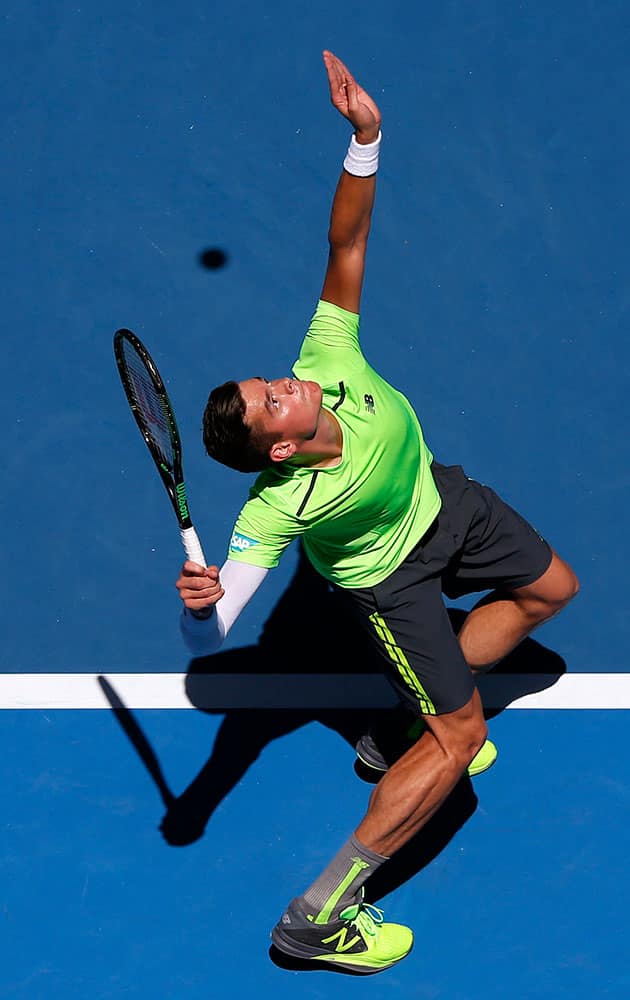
[(358, 520)]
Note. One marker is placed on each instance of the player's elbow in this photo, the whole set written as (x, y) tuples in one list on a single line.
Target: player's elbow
[(346, 249)]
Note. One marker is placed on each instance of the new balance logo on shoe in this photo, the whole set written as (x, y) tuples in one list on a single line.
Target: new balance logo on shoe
[(342, 945)]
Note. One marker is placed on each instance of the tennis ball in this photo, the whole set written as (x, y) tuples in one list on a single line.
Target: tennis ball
[(213, 258)]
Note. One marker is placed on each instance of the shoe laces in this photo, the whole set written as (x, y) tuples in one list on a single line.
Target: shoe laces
[(364, 916)]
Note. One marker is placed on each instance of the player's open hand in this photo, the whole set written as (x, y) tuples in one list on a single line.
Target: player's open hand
[(351, 100), (199, 587)]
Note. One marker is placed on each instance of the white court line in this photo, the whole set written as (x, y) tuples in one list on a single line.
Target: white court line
[(224, 692)]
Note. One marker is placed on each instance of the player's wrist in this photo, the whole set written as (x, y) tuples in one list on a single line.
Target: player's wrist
[(362, 157), (201, 614), (366, 136)]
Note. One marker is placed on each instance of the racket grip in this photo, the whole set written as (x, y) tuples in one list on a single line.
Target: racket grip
[(192, 546), (194, 552)]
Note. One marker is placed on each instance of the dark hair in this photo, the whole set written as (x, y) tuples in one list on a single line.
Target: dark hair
[(227, 437)]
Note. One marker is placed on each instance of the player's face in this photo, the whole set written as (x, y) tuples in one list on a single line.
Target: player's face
[(287, 407)]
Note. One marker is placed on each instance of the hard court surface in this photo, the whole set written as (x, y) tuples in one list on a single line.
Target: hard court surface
[(136, 136)]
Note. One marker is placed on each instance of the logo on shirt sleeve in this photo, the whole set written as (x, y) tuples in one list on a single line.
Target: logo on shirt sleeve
[(241, 543)]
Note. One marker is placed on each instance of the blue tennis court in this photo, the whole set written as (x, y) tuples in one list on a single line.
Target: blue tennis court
[(157, 822)]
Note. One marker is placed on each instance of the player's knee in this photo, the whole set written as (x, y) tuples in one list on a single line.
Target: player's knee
[(566, 588), (541, 604), (571, 588), (477, 738), (470, 739)]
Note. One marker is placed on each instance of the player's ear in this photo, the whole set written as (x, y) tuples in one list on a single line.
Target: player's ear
[(281, 450)]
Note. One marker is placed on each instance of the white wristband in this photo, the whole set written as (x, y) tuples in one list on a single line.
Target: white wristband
[(362, 160)]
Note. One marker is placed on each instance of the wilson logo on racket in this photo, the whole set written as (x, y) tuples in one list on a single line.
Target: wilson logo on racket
[(182, 502)]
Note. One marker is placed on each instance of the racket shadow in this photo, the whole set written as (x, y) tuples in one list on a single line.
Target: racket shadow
[(138, 740)]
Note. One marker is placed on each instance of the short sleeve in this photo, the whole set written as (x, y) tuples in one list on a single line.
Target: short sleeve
[(331, 343), (261, 534)]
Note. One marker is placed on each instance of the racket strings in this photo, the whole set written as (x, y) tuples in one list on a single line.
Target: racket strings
[(147, 401)]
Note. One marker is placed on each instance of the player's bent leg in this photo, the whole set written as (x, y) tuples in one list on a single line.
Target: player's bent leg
[(500, 621), (415, 637), (416, 785), (356, 938)]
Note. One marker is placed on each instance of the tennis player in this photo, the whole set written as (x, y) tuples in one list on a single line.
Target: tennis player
[(343, 465)]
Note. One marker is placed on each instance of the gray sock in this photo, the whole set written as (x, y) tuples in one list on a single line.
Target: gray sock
[(339, 884)]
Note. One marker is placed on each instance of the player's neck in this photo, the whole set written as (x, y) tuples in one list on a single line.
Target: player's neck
[(325, 449)]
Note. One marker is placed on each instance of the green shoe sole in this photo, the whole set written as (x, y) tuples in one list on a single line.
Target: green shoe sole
[(483, 760)]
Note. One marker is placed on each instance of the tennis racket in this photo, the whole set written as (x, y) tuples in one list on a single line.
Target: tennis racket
[(154, 415)]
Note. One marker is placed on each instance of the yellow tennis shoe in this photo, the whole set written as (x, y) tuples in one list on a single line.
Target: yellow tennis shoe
[(357, 941)]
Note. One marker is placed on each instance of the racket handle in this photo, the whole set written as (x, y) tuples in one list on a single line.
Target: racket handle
[(192, 545), (194, 552)]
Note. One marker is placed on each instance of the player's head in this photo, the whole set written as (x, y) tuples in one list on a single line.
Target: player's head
[(250, 425), (226, 435)]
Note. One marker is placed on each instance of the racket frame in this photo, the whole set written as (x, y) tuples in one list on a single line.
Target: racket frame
[(173, 479)]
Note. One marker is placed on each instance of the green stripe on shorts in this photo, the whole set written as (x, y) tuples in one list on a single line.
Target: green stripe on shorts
[(402, 664)]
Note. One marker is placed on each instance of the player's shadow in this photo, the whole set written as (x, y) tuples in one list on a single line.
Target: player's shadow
[(310, 633)]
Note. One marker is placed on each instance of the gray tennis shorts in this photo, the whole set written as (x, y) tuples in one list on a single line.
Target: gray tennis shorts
[(476, 543)]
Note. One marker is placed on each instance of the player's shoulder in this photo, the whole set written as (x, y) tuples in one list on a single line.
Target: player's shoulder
[(331, 309), (279, 489), (329, 316), (331, 344)]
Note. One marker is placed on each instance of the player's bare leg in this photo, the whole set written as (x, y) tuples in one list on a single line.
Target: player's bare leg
[(492, 629), (501, 620), (416, 785)]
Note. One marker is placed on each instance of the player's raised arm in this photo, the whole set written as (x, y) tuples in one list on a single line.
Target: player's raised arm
[(354, 197)]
